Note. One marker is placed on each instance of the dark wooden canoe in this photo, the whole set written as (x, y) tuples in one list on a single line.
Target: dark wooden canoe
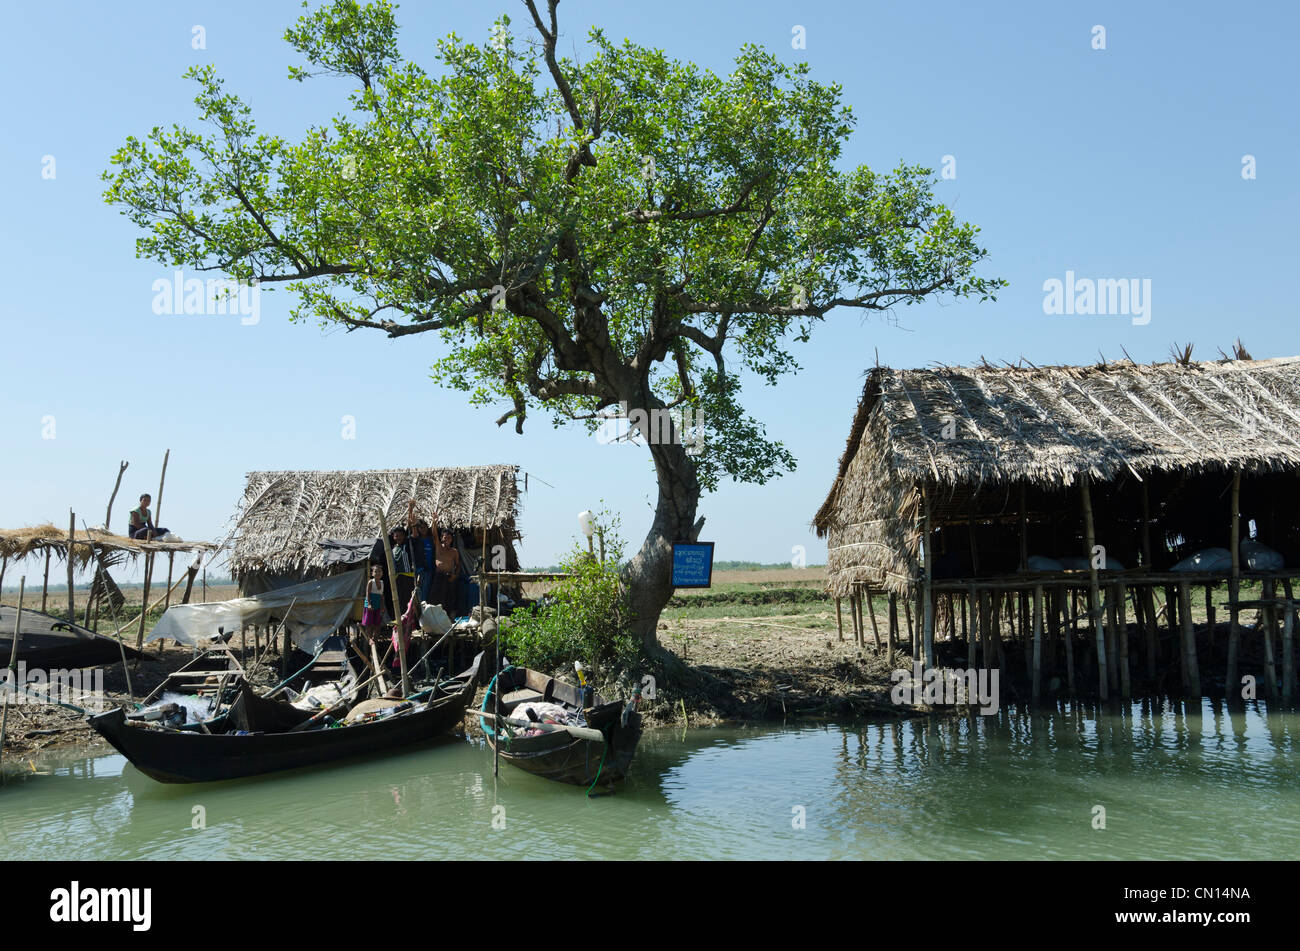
[(47, 642), (561, 756), (269, 742)]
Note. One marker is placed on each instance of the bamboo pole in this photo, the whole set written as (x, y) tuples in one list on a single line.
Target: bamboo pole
[(140, 617), (893, 626), (1268, 616), (911, 634), (1094, 592), (927, 635), (1231, 683), (853, 614), (1121, 631), (72, 533), (839, 617), (45, 585), (171, 566), (1070, 621), (871, 612), (13, 665), (1112, 640), (1189, 641), (397, 608), (108, 515), (99, 561), (1038, 643), (1288, 644)]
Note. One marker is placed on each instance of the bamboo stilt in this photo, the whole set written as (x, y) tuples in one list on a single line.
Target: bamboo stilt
[(1231, 683), (871, 612), (1094, 592), (839, 618), (1121, 631), (1037, 691), (1269, 616), (893, 627), (1189, 641)]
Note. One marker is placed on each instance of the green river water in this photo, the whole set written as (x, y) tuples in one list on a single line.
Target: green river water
[(1016, 785)]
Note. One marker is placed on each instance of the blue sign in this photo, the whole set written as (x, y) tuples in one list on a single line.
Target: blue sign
[(692, 564)]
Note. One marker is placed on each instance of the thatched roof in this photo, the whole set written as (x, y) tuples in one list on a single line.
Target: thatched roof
[(966, 427), (284, 516), (16, 543)]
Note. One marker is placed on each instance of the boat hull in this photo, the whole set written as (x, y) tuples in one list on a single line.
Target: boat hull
[(188, 757), (560, 756)]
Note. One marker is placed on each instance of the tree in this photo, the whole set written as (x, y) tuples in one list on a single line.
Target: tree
[(620, 233)]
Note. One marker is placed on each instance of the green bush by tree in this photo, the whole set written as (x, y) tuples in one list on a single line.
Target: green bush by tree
[(585, 617)]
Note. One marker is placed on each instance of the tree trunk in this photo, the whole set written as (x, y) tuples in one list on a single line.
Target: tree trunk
[(648, 576)]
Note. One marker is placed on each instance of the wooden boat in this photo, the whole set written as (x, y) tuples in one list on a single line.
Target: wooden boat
[(270, 735), (559, 755), (52, 643)]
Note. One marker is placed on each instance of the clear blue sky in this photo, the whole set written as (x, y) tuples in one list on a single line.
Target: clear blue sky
[(1122, 163)]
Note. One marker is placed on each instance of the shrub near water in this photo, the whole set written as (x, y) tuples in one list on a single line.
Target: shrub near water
[(583, 618)]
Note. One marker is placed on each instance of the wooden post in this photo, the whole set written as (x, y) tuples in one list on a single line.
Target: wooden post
[(1231, 683), (108, 516), (171, 565), (893, 626), (1269, 615), (162, 480), (973, 637), (911, 634), (399, 608), (863, 592), (45, 585), (1038, 643), (1189, 641), (1121, 631), (189, 581), (144, 599), (1209, 615), (871, 612), (1094, 592), (839, 617), (853, 612), (927, 601), (13, 663), (72, 554), (1153, 637), (1069, 639), (1112, 640), (1288, 644)]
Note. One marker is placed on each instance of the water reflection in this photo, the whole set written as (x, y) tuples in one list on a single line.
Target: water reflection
[(1174, 781)]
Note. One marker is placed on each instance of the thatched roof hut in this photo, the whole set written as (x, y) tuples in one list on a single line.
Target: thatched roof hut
[(285, 516), (997, 446)]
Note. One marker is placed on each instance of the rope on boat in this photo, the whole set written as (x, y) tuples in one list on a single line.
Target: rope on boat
[(603, 748), (497, 738)]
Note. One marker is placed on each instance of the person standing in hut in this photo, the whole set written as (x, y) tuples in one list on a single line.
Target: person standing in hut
[(425, 548), (142, 526), (446, 586), (403, 563), (372, 616)]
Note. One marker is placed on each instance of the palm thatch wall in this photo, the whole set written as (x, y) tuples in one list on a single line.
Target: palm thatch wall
[(284, 516), (970, 434)]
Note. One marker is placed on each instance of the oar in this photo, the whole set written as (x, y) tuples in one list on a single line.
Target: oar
[(580, 732)]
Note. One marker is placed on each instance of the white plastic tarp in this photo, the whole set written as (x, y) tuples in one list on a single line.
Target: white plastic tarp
[(318, 608)]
